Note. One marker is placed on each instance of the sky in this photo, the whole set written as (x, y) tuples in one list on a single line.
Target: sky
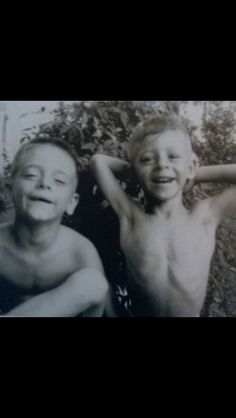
[(23, 115)]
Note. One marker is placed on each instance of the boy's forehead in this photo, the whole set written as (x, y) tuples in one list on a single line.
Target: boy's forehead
[(51, 153), (174, 139), (167, 139), (169, 136)]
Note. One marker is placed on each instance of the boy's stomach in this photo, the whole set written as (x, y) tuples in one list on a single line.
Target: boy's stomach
[(162, 296)]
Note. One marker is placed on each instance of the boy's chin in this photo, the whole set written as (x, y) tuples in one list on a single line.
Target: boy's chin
[(162, 197), (38, 217)]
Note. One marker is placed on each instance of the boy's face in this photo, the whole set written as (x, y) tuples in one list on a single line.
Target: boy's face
[(44, 183), (163, 163)]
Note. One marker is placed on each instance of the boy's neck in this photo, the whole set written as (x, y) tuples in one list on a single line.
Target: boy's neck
[(166, 209), (33, 235)]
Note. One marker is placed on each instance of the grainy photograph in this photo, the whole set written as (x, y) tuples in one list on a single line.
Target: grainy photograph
[(118, 209)]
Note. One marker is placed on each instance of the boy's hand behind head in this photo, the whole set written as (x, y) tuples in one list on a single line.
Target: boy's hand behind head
[(189, 185), (191, 182)]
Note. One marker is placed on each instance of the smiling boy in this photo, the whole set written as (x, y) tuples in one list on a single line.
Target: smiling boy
[(47, 269), (168, 248)]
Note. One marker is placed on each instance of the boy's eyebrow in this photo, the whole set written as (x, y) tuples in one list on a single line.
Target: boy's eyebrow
[(171, 149), (59, 171), (145, 153), (25, 166), (63, 173)]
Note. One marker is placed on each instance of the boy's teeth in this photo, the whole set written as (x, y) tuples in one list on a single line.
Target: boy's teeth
[(163, 180)]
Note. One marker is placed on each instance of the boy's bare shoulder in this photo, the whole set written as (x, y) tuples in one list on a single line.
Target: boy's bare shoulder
[(82, 248), (74, 237)]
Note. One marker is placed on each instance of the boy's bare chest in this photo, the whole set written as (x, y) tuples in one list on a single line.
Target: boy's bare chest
[(34, 272), (177, 252)]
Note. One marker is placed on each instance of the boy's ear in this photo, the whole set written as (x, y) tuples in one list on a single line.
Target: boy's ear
[(193, 166), (72, 204)]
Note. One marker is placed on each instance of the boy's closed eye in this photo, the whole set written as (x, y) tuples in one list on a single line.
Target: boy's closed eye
[(30, 173), (146, 159), (60, 181), (174, 156), (30, 176)]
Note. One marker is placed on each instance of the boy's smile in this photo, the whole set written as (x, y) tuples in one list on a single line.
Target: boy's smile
[(41, 199), (162, 179)]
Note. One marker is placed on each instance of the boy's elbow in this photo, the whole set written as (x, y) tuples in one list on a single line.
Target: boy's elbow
[(100, 290), (95, 161), (98, 286)]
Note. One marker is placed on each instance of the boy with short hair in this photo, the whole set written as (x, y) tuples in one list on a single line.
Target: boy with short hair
[(168, 248), (47, 269)]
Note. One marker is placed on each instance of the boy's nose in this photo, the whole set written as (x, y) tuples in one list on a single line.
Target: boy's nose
[(162, 162), (44, 183)]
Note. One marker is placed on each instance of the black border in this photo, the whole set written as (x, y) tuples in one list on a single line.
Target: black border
[(150, 81), (110, 77)]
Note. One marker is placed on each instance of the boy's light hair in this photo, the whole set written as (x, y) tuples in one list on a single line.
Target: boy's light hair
[(57, 142), (164, 120)]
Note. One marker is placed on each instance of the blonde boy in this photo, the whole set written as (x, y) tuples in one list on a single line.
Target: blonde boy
[(168, 248)]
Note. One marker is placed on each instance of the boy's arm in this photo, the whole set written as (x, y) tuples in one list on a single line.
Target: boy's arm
[(84, 292), (223, 204), (86, 255), (104, 168), (216, 173)]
